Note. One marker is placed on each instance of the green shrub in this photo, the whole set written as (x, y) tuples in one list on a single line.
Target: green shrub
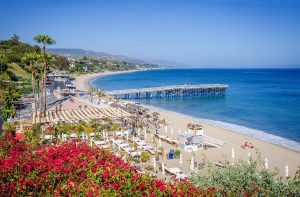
[(246, 180)]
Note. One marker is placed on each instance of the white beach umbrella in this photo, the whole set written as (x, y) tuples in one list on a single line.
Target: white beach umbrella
[(286, 170), (266, 164), (163, 168), (145, 134), (249, 156), (159, 142), (171, 131), (232, 155), (166, 129), (180, 159), (154, 162), (192, 167)]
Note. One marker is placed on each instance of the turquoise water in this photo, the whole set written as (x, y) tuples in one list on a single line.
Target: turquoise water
[(263, 103)]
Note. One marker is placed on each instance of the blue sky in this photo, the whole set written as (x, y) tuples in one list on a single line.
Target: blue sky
[(203, 33)]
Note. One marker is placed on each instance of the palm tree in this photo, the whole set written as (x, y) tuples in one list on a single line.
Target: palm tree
[(30, 59), (9, 99), (47, 58), (45, 40)]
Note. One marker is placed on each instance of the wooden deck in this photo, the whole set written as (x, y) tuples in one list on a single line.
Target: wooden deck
[(170, 91)]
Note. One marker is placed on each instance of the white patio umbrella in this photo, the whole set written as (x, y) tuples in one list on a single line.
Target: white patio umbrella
[(154, 162), (266, 164), (171, 131), (192, 167), (163, 168), (166, 129), (286, 170), (180, 159), (249, 156), (145, 134), (232, 155), (159, 142)]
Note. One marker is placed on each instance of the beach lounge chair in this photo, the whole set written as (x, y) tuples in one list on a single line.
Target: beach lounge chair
[(99, 142), (73, 135), (123, 145)]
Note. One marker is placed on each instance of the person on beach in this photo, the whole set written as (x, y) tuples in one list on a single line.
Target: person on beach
[(247, 145)]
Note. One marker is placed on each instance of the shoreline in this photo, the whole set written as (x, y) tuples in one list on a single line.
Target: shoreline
[(214, 124), (232, 138), (82, 82), (278, 156)]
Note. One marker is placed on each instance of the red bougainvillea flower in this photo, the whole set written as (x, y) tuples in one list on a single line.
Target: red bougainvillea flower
[(76, 169)]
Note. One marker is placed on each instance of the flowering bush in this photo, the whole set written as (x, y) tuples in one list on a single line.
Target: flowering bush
[(75, 169)]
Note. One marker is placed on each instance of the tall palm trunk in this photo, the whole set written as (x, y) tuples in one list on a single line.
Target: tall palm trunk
[(41, 98), (45, 81), (45, 88), (33, 92)]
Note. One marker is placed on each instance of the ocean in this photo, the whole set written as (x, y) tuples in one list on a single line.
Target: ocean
[(262, 103)]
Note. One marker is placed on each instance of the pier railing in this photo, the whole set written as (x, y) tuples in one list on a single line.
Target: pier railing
[(170, 91)]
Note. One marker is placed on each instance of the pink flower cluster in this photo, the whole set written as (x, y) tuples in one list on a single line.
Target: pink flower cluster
[(75, 169)]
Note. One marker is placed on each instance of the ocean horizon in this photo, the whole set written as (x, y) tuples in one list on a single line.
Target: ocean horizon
[(261, 103)]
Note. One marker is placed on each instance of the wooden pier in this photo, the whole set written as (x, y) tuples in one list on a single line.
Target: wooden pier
[(170, 91)]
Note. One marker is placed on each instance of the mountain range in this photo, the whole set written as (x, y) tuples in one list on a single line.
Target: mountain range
[(76, 53)]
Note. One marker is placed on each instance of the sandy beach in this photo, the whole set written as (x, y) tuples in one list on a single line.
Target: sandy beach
[(277, 156)]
